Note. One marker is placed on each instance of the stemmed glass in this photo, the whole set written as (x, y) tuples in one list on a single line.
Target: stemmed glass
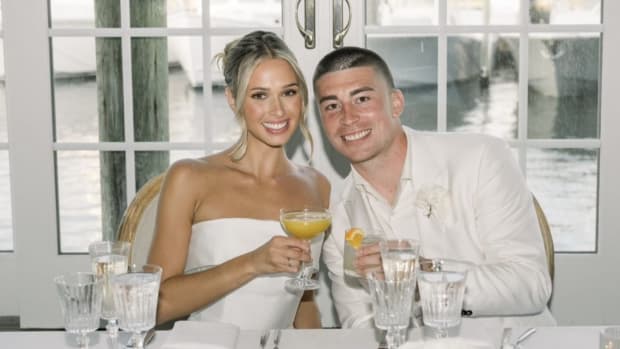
[(135, 295), (80, 297), (442, 288), (305, 224), (109, 258)]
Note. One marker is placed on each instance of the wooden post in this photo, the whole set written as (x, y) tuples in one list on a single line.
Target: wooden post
[(150, 103)]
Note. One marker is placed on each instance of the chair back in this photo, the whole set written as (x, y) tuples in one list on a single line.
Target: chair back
[(138, 223), (547, 238)]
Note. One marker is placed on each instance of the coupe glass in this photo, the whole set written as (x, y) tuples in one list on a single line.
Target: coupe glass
[(135, 295), (305, 224), (109, 258), (442, 288), (80, 297)]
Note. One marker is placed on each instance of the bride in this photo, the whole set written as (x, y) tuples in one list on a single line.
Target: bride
[(219, 214)]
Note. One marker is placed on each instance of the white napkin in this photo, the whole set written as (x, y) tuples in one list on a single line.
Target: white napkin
[(448, 343), (202, 334)]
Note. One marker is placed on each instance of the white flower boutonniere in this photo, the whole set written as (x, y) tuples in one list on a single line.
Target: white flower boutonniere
[(432, 199)]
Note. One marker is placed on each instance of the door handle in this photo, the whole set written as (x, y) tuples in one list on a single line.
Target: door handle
[(340, 31), (308, 30)]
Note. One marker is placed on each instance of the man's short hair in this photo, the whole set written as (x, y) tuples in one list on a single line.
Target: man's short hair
[(352, 57)]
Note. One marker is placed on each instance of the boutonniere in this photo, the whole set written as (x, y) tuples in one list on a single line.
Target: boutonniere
[(432, 200)]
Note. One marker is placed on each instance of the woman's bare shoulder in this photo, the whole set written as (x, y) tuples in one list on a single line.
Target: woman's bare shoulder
[(203, 169)]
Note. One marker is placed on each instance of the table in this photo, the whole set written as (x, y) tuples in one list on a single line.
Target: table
[(565, 337)]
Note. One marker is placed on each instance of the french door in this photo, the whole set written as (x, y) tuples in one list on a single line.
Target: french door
[(466, 66)]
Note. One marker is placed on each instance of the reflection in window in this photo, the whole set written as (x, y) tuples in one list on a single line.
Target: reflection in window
[(413, 62), (565, 11), (483, 84), (475, 12), (563, 80), (566, 181)]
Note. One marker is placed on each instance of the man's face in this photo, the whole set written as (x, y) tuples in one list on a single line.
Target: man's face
[(360, 113)]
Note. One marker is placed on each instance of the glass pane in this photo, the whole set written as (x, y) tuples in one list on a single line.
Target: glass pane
[(184, 13), (150, 164), (185, 96), (402, 12), (6, 225), (564, 86), (477, 12), (482, 89), (225, 127), (79, 199), (246, 13), (565, 11), (85, 13), (413, 62), (565, 183)]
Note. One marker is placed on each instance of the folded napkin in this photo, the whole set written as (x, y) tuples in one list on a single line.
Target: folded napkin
[(448, 343), (202, 334)]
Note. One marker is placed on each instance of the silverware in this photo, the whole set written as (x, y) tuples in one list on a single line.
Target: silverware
[(276, 340), (263, 339), (150, 335), (525, 335)]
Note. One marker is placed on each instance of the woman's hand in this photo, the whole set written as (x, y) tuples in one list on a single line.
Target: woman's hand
[(280, 254)]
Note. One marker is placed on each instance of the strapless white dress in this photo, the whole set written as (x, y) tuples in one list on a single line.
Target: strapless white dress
[(263, 303)]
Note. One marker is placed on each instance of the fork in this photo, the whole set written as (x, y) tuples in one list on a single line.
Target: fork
[(263, 339), (276, 340)]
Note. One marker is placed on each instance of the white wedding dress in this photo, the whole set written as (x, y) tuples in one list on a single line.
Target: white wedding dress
[(263, 303)]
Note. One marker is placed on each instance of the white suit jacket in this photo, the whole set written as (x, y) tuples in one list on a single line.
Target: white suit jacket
[(487, 217)]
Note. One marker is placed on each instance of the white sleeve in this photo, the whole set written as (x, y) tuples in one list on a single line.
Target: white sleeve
[(351, 299), (514, 280)]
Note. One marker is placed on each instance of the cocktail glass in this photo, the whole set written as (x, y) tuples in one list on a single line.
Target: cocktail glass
[(80, 297), (442, 287), (305, 224), (135, 295), (354, 239), (109, 258)]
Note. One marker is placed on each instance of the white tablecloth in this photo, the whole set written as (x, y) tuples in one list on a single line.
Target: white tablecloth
[(545, 337)]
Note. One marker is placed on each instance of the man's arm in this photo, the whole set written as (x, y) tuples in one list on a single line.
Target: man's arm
[(514, 279)]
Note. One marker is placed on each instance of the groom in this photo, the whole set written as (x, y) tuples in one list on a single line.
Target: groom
[(461, 196)]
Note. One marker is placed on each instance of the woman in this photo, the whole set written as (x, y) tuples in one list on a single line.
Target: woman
[(220, 214)]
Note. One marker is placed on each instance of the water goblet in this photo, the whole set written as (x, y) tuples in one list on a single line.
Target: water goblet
[(442, 287), (305, 224), (135, 295), (109, 258), (399, 258), (80, 296), (392, 301)]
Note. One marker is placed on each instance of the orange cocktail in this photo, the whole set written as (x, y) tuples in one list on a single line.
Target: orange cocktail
[(305, 224)]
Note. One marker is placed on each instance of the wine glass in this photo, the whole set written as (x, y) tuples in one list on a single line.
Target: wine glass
[(109, 258), (442, 288), (305, 224), (80, 297), (135, 295)]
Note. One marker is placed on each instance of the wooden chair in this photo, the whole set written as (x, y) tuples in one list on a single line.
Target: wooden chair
[(547, 238), (138, 223)]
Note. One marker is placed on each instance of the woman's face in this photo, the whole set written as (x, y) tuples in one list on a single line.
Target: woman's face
[(273, 103)]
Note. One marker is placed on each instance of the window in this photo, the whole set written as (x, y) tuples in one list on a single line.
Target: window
[(469, 66)]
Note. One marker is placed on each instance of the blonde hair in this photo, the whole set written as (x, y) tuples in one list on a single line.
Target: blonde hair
[(238, 61)]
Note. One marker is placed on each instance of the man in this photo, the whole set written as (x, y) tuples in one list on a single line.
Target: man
[(461, 196)]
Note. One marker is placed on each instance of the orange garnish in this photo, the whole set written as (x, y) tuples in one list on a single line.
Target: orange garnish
[(354, 237)]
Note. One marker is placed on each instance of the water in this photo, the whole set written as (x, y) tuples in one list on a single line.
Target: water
[(136, 297), (107, 266), (441, 298), (399, 265)]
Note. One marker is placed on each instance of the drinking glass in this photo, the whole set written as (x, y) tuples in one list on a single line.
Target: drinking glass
[(610, 338), (354, 239), (80, 297), (135, 295), (109, 258), (305, 224), (392, 301), (399, 258), (442, 287)]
